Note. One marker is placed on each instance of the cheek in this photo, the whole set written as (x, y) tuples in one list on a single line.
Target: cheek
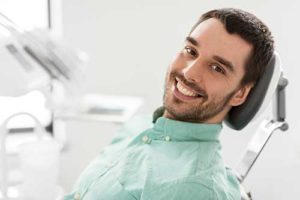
[(217, 89), (168, 78)]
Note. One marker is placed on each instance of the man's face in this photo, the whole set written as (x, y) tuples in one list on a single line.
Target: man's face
[(203, 80)]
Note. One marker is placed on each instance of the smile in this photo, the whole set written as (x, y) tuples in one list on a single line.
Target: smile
[(183, 92)]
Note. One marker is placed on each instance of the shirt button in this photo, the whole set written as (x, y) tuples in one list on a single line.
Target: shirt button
[(145, 139), (109, 164), (77, 196), (167, 138)]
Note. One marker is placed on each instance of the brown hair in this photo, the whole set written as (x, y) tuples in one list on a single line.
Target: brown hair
[(252, 30)]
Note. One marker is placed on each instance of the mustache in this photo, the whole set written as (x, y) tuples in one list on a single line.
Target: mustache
[(190, 84)]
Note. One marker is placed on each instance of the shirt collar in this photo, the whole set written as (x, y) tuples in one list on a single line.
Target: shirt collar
[(186, 131)]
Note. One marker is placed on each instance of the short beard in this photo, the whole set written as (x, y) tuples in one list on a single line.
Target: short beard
[(200, 112)]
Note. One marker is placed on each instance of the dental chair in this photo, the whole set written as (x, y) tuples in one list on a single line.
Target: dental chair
[(270, 87)]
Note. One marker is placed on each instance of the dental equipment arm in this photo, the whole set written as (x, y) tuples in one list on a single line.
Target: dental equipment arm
[(33, 60)]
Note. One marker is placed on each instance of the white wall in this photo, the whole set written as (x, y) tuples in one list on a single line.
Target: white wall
[(131, 42)]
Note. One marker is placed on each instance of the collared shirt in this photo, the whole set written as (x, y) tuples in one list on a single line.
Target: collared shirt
[(172, 160)]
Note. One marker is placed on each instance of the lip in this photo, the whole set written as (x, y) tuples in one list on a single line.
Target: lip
[(181, 96)]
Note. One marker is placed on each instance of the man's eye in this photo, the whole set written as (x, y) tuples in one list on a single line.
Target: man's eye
[(218, 69), (190, 51)]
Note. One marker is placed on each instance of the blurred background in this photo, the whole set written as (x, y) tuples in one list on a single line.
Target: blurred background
[(130, 45)]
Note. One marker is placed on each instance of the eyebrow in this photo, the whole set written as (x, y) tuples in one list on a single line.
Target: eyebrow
[(192, 40), (224, 62)]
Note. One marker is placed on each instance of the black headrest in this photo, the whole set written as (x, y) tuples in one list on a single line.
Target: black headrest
[(239, 116)]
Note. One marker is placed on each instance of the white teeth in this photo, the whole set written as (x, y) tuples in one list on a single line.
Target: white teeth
[(184, 90)]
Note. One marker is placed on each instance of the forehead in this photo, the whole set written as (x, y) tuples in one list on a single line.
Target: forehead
[(213, 39)]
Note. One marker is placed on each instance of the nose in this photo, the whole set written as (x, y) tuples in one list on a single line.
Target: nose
[(194, 71)]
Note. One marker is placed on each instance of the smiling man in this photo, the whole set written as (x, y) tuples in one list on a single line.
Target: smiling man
[(179, 157), (204, 80)]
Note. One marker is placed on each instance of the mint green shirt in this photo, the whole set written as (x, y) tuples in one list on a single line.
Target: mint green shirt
[(172, 160)]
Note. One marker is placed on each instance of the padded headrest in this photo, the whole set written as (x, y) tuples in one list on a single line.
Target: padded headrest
[(258, 98)]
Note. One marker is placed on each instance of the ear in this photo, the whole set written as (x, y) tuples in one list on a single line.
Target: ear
[(240, 95)]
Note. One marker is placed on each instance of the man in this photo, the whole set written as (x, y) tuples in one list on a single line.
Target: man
[(179, 158)]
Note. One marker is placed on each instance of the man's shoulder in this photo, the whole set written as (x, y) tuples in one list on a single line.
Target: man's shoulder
[(139, 123), (133, 127)]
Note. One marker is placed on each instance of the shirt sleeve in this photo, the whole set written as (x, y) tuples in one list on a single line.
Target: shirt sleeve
[(180, 191)]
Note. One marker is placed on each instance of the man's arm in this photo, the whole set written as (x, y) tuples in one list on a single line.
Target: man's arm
[(191, 190), (180, 191)]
